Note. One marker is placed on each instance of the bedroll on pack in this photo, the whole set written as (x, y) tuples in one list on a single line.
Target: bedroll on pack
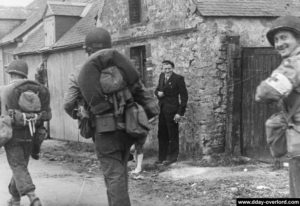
[(26, 96), (114, 66)]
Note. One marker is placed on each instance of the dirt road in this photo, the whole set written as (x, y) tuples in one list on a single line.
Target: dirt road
[(68, 174), (57, 185)]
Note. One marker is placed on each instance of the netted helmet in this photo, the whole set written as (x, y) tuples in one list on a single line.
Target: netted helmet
[(19, 67), (288, 23), (98, 38)]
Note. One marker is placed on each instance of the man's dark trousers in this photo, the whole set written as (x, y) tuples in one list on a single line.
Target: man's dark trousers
[(113, 149), (168, 137)]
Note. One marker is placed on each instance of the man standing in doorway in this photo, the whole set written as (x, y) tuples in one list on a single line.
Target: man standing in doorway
[(170, 87)]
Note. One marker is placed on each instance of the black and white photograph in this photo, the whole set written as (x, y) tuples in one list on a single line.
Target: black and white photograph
[(149, 102)]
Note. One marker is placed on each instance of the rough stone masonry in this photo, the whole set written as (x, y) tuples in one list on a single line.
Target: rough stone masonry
[(197, 45)]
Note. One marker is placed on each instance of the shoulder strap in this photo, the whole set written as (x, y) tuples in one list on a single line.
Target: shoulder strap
[(293, 110)]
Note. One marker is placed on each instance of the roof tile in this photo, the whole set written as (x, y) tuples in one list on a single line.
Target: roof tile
[(38, 8), (248, 8), (78, 32), (34, 42)]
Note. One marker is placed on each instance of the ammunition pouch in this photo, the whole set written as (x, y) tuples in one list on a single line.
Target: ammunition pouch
[(101, 107), (106, 123), (109, 123)]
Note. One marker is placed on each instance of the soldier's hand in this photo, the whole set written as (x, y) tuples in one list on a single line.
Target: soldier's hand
[(17, 117), (82, 112)]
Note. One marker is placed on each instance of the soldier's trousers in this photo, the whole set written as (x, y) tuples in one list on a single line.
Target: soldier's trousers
[(113, 150), (18, 154), (294, 174)]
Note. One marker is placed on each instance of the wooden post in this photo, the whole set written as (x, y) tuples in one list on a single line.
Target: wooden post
[(232, 138)]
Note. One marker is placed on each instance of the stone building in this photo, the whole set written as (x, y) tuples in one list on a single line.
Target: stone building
[(206, 39), (219, 46)]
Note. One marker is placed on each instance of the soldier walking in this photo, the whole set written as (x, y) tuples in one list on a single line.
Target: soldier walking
[(112, 143), (19, 148)]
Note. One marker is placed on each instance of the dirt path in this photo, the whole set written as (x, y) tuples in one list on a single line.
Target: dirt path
[(57, 185), (68, 174)]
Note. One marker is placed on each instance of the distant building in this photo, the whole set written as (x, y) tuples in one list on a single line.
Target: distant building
[(11, 17)]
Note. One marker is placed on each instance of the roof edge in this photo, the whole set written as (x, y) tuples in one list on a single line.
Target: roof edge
[(51, 49), (67, 3), (7, 42), (114, 42)]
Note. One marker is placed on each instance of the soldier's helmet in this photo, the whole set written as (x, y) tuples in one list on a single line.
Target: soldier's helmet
[(19, 67), (287, 23), (98, 38)]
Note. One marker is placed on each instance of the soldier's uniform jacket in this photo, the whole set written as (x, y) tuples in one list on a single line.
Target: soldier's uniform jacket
[(290, 68)]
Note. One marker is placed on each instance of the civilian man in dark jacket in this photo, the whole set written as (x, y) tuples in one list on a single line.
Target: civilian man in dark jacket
[(170, 87)]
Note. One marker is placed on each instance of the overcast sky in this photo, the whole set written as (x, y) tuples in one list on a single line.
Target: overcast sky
[(15, 2)]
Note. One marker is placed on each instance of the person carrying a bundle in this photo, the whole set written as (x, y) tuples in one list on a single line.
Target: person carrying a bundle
[(110, 86), (28, 105), (283, 86)]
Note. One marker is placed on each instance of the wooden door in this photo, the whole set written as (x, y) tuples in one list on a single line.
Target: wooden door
[(257, 65)]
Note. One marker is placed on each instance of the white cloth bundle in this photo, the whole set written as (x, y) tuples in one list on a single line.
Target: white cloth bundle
[(274, 88)]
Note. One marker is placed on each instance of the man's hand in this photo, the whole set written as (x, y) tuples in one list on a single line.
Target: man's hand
[(160, 94), (177, 118)]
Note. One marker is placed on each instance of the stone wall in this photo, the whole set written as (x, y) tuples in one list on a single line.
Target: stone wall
[(198, 46)]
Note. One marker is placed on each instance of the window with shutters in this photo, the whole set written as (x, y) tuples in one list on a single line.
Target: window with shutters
[(134, 11)]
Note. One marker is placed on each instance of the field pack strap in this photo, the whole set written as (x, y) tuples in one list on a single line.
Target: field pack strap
[(101, 107), (31, 123)]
